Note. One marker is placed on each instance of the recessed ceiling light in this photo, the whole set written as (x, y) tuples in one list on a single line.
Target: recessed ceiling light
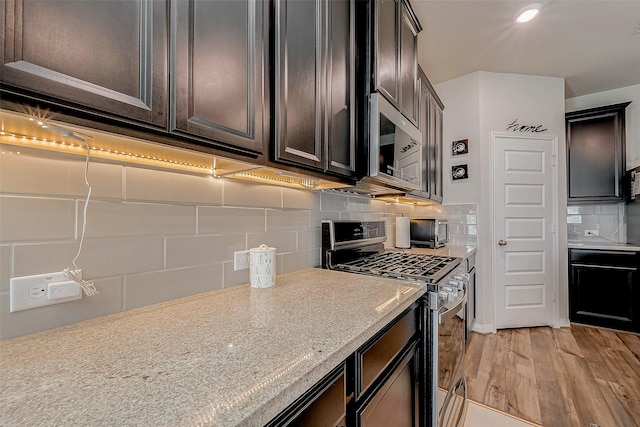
[(527, 14)]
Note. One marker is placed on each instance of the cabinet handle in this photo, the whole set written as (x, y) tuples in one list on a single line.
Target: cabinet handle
[(502, 243), (604, 267)]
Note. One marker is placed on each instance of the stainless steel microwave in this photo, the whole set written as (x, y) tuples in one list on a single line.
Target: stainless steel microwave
[(395, 151), (429, 232)]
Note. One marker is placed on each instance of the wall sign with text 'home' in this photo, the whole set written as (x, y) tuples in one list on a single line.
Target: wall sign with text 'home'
[(514, 126)]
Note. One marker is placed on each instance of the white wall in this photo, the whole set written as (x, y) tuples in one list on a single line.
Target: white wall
[(475, 106), (632, 119)]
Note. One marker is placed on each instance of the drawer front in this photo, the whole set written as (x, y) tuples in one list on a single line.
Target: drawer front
[(374, 358), (604, 258)]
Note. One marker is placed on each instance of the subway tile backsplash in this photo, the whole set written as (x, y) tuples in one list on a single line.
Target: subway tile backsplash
[(153, 236), (607, 219)]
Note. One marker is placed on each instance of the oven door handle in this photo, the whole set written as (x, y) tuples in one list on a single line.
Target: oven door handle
[(449, 313)]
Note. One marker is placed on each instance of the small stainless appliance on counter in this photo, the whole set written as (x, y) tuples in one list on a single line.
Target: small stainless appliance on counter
[(358, 247), (429, 232)]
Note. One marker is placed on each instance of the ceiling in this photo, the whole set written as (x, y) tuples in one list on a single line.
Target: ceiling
[(594, 45)]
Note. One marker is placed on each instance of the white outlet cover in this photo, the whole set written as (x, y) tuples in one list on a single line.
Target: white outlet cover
[(31, 291), (240, 260)]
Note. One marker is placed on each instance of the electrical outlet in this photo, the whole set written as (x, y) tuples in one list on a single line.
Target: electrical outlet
[(240, 260), (42, 289), (591, 232)]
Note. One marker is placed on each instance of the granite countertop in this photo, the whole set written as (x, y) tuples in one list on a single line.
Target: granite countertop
[(603, 245), (448, 251), (232, 357)]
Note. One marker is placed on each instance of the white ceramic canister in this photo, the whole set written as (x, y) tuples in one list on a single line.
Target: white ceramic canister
[(262, 266)]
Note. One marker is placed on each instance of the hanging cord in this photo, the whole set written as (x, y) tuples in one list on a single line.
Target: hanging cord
[(87, 286)]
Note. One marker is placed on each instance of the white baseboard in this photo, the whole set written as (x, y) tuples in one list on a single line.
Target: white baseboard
[(483, 328), (564, 323)]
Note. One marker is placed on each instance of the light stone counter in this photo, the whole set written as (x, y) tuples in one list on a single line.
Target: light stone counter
[(606, 246), (233, 357), (448, 251)]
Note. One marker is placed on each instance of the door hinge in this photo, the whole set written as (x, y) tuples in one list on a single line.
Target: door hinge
[(553, 160)]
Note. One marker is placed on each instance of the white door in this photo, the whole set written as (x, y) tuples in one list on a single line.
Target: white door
[(524, 212)]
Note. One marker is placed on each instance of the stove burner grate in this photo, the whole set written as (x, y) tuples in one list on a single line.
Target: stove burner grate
[(404, 265)]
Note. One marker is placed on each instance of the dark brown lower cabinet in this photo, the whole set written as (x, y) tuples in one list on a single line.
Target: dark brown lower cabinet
[(375, 386), (324, 405), (394, 404), (604, 288)]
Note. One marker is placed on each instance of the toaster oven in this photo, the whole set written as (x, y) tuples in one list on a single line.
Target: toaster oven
[(429, 232)]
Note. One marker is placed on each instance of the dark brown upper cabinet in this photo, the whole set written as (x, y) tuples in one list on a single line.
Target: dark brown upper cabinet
[(218, 64), (106, 56), (395, 53), (596, 154), (314, 85), (430, 114)]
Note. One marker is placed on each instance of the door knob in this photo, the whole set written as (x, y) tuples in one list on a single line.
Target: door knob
[(502, 243)]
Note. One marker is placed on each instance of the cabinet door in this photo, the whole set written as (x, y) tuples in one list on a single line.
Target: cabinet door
[(315, 85), (387, 49), (298, 82), (604, 289), (108, 56), (424, 104), (395, 403), (218, 65), (435, 149), (596, 154), (408, 64), (324, 405), (341, 96)]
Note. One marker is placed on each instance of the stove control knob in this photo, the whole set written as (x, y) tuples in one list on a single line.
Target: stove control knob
[(464, 277), (451, 291), (443, 295), (458, 284)]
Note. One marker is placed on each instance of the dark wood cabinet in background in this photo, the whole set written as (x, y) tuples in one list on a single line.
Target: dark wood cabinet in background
[(395, 36), (314, 105), (430, 115), (107, 56), (596, 154), (604, 288), (218, 65)]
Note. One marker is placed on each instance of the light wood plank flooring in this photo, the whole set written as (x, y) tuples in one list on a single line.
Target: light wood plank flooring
[(567, 377)]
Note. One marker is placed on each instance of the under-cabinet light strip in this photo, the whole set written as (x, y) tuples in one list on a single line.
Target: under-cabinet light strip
[(101, 152), (306, 183)]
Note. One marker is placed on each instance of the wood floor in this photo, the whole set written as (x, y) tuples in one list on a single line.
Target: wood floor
[(567, 377)]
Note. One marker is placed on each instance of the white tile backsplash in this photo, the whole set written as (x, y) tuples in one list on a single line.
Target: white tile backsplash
[(178, 188), (201, 250), (161, 286), (34, 175), (153, 235), (244, 194), (607, 218), (36, 219), (5, 267), (109, 219), (217, 220), (295, 199), (287, 220)]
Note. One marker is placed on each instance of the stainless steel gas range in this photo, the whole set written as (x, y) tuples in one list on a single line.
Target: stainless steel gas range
[(358, 247)]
